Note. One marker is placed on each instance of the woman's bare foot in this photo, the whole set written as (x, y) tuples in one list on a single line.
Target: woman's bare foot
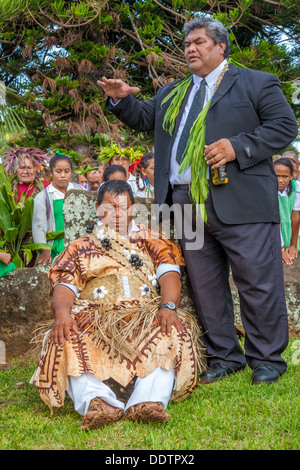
[(147, 412), (99, 414)]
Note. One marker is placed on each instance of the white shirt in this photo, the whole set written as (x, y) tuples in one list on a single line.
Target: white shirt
[(40, 223), (211, 81), (162, 269), (57, 194)]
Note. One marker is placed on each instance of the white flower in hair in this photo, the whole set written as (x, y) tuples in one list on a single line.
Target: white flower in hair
[(99, 292), (145, 290)]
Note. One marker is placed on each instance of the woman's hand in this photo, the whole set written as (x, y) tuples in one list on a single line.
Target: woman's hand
[(167, 318), (292, 252), (44, 257), (62, 328), (286, 257), (5, 258), (65, 324)]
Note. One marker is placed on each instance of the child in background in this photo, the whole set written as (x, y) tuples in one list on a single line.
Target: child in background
[(82, 181), (289, 208), (48, 207), (294, 158), (114, 172), (115, 154), (145, 176)]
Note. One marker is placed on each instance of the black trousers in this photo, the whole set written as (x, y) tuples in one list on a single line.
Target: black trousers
[(253, 252)]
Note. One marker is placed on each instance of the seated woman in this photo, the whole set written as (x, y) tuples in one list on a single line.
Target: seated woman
[(48, 207), (118, 335), (27, 168)]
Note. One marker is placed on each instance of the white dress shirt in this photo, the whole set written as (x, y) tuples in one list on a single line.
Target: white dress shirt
[(211, 81)]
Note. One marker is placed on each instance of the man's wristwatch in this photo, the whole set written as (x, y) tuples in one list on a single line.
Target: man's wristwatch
[(169, 305)]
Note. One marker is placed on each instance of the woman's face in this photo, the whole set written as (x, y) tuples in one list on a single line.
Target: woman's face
[(61, 175), (26, 171)]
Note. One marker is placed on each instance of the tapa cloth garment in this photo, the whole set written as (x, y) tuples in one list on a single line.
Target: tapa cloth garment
[(117, 343), (156, 387)]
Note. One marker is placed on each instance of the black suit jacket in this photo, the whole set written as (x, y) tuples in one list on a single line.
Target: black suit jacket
[(250, 110)]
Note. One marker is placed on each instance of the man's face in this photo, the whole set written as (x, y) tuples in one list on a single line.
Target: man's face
[(94, 179), (26, 171), (201, 53), (116, 211)]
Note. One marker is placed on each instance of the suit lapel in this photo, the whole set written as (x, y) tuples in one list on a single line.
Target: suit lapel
[(228, 80)]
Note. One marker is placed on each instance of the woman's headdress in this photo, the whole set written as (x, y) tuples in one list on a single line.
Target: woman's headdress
[(105, 154), (11, 159)]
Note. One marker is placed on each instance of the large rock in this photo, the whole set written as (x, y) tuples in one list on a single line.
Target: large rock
[(24, 304), (24, 294)]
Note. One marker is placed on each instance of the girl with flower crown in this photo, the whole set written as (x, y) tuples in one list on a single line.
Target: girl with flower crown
[(145, 173)]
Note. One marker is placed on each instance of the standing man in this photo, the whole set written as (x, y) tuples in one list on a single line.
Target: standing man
[(248, 121)]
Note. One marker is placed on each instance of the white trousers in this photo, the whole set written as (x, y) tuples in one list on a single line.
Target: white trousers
[(156, 386)]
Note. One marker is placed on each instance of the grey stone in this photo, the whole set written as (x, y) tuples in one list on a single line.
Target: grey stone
[(24, 293)]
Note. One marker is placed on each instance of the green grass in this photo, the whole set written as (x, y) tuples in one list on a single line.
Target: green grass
[(229, 415)]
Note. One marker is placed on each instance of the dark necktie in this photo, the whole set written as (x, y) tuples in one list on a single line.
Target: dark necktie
[(194, 112)]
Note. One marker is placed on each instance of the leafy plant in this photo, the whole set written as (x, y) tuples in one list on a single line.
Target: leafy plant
[(15, 224)]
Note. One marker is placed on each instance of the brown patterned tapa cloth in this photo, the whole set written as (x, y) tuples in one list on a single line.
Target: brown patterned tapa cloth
[(115, 310)]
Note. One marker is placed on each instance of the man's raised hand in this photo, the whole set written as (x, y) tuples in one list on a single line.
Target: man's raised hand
[(116, 88)]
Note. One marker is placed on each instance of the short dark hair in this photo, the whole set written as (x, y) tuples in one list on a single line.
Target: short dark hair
[(113, 169), (116, 187), (291, 154), (146, 158), (58, 157), (214, 29)]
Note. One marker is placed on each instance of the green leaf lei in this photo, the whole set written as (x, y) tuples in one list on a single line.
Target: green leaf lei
[(193, 155)]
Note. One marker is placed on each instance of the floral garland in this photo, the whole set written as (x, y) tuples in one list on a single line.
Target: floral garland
[(120, 249), (85, 170), (193, 155), (105, 154)]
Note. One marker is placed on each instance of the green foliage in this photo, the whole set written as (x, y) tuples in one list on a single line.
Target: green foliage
[(70, 153), (232, 414), (15, 224), (55, 52)]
